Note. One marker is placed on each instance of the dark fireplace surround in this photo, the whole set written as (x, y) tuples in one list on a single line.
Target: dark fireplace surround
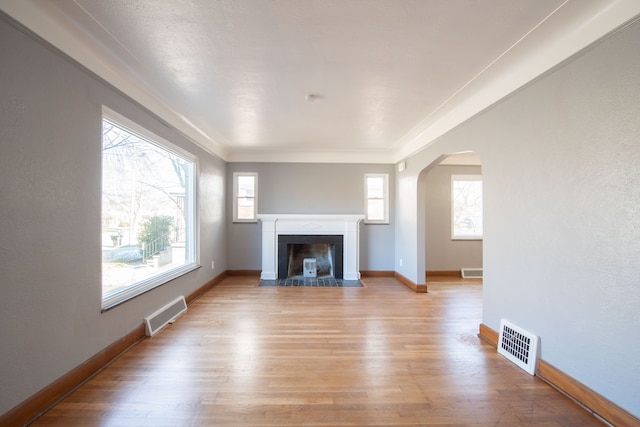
[(335, 242)]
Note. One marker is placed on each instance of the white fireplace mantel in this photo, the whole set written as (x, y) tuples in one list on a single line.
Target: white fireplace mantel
[(274, 225)]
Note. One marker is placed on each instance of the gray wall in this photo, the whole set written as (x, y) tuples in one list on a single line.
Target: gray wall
[(283, 188), (561, 173), (443, 253), (50, 200)]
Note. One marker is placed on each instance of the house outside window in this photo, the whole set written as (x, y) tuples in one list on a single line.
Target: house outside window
[(149, 222), (376, 199), (245, 196), (466, 207)]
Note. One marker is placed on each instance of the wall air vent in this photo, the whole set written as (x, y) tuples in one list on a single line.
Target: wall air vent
[(471, 273), (165, 315), (519, 346)]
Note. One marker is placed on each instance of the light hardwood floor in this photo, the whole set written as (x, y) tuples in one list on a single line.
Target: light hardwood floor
[(381, 355)]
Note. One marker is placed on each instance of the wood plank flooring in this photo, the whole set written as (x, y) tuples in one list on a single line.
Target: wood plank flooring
[(380, 355)]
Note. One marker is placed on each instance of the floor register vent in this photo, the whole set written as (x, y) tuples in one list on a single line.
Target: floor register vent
[(471, 273), (519, 346), (164, 316)]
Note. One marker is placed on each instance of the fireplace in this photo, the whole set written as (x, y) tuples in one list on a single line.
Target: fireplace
[(332, 240), (326, 250)]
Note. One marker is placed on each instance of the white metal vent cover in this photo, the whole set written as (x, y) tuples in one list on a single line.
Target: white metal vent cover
[(470, 273), (519, 346), (164, 316)]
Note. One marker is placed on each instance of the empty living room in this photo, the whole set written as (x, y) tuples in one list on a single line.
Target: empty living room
[(319, 213)]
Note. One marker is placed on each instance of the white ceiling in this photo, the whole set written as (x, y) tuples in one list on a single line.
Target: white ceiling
[(386, 77)]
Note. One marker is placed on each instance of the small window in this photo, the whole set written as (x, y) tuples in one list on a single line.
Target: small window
[(149, 222), (466, 207), (377, 198), (245, 196)]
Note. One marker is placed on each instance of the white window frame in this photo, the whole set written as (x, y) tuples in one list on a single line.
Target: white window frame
[(254, 218), (454, 234), (385, 198), (192, 220)]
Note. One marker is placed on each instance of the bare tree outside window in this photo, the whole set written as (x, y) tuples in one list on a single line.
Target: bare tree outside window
[(466, 207), (147, 192)]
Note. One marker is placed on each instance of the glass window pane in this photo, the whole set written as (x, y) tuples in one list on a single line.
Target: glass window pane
[(467, 208), (245, 197), (375, 187), (246, 186), (245, 208), (147, 201), (376, 198), (375, 210)]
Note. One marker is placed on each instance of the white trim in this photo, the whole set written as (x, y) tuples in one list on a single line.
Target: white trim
[(235, 197), (385, 198), (572, 27), (121, 295), (144, 133), (455, 177), (308, 155), (346, 225), (192, 217)]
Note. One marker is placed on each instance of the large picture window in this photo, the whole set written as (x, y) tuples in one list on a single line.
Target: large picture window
[(148, 210), (466, 207)]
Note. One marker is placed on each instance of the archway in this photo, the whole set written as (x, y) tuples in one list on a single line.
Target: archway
[(441, 251)]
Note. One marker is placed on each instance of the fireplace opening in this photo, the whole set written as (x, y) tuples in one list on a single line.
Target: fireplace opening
[(325, 250), (300, 260)]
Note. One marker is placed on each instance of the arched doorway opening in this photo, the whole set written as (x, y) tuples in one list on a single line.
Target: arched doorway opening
[(450, 217)]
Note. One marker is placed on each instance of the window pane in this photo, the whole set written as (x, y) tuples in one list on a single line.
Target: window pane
[(467, 208), (245, 208), (245, 197), (147, 199), (375, 188), (376, 198), (375, 210), (246, 186)]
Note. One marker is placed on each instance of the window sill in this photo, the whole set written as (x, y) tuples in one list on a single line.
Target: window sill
[(125, 294)]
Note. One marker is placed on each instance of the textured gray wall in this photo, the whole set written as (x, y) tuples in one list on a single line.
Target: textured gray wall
[(283, 188), (560, 166), (443, 253), (50, 201)]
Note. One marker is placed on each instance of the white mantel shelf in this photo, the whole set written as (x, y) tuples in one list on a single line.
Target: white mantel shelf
[(274, 225)]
